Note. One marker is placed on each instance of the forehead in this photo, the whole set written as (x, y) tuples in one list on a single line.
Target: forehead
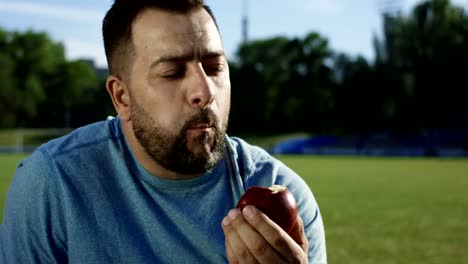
[(157, 33)]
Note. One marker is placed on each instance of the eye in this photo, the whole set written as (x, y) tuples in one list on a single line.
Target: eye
[(174, 73), (213, 69)]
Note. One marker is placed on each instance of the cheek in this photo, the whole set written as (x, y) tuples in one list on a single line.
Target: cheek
[(168, 117), (226, 96), (156, 111), (222, 83), (163, 104), (224, 105), (227, 102)]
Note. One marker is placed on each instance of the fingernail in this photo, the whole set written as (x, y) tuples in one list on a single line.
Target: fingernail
[(226, 221), (248, 212), (233, 214)]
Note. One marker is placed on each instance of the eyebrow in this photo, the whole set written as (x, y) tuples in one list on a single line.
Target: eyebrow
[(185, 57)]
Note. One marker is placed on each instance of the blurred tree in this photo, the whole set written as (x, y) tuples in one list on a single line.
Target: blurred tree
[(36, 57), (280, 84), (255, 83), (278, 81), (7, 66), (426, 55), (35, 74), (315, 86), (264, 58), (359, 100), (248, 96), (72, 84)]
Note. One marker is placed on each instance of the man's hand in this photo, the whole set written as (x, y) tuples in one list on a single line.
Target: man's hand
[(251, 237)]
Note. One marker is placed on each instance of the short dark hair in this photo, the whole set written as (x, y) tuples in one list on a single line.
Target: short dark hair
[(117, 27)]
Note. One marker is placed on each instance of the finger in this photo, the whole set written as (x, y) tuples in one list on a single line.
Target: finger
[(298, 234), (238, 249), (274, 235), (256, 244), (230, 256)]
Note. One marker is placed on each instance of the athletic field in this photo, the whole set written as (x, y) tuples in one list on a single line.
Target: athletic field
[(377, 210)]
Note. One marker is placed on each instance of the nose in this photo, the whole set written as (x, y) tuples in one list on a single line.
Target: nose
[(201, 93)]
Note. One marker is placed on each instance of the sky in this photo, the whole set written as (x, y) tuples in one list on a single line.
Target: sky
[(349, 25)]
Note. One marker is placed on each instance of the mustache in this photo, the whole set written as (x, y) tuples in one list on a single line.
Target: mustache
[(202, 116)]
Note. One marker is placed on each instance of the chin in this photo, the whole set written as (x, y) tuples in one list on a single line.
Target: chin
[(204, 151), (202, 143)]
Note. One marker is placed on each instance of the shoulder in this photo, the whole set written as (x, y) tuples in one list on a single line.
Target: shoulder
[(42, 168), (43, 174), (32, 172), (258, 167), (34, 202), (83, 137), (247, 154)]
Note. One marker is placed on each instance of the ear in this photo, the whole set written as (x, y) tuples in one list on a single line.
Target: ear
[(120, 96)]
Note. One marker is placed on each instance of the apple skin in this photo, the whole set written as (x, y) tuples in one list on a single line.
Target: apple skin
[(279, 206)]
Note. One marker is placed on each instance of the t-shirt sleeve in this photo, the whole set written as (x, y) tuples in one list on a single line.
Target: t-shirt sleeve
[(32, 226), (265, 170), (309, 212), (313, 223)]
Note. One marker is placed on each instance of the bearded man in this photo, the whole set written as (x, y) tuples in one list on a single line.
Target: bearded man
[(157, 183)]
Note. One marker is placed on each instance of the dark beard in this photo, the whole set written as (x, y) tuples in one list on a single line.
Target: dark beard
[(170, 150)]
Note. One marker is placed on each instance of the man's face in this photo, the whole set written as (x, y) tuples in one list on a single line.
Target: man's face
[(180, 89)]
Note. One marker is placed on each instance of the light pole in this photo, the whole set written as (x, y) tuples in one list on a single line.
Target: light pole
[(245, 21), (390, 7)]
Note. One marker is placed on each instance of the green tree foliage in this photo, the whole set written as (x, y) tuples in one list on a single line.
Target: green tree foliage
[(424, 57), (358, 99), (34, 73), (278, 81), (72, 84), (36, 57), (7, 83), (416, 83)]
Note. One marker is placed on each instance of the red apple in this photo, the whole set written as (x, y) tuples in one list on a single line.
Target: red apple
[(276, 201)]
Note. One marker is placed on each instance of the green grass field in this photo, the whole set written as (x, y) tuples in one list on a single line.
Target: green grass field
[(7, 169), (377, 210)]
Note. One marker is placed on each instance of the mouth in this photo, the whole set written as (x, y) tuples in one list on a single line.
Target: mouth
[(202, 126)]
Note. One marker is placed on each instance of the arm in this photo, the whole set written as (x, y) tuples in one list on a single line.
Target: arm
[(32, 225)]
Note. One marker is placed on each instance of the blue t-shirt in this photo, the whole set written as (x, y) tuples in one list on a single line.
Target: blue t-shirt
[(84, 198)]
